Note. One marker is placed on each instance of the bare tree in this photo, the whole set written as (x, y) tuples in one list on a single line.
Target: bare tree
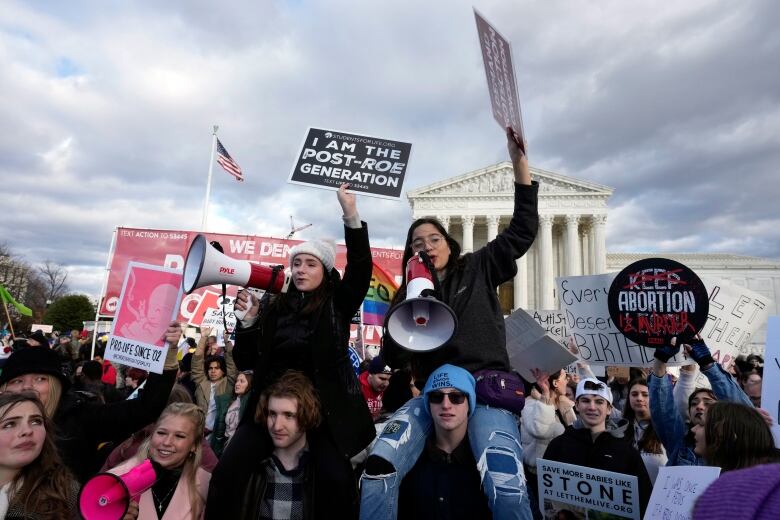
[(54, 278)]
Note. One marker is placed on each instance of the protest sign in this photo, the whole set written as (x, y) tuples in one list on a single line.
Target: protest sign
[(529, 346), (169, 248), (372, 165), (583, 300), (676, 490), (770, 386), (587, 488), (148, 303), (500, 72), (554, 324), (654, 300), (355, 360), (735, 314), (46, 329)]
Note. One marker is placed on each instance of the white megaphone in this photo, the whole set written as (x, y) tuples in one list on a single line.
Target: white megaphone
[(421, 323), (107, 496), (205, 265)]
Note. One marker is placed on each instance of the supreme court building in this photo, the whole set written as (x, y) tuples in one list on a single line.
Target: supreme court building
[(573, 214)]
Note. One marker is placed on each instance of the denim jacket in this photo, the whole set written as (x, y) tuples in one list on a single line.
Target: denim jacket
[(669, 424)]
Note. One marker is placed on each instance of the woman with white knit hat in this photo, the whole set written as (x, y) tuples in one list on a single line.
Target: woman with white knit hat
[(305, 329)]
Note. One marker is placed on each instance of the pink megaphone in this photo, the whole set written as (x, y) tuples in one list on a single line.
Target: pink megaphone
[(107, 496)]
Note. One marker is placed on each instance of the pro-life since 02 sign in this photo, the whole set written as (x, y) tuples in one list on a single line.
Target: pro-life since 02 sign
[(372, 165), (655, 299)]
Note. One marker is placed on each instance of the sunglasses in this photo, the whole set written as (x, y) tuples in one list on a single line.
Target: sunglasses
[(454, 397)]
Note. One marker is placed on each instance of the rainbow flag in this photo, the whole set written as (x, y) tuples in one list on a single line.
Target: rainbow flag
[(379, 296)]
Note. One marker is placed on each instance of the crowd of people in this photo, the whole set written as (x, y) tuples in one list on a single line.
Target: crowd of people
[(280, 426)]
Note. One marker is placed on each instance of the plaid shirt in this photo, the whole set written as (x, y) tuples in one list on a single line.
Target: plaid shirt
[(283, 499)]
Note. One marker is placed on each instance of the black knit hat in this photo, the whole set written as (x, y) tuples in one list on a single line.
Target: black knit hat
[(33, 360), (40, 338)]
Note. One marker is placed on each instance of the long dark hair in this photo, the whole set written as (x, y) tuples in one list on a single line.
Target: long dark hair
[(649, 443), (737, 437), (46, 484), (452, 263)]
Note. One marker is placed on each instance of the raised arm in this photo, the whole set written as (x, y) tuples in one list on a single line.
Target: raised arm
[(197, 371), (357, 273)]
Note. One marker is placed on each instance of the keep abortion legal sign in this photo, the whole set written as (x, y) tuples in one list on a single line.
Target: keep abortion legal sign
[(373, 166)]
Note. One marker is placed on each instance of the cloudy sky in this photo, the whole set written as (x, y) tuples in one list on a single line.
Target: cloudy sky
[(107, 109)]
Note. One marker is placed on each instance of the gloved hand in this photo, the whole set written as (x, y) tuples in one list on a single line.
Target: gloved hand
[(663, 354), (700, 353)]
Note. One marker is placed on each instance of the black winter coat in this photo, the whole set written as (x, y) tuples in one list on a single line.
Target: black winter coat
[(610, 451), (480, 339), (83, 423), (345, 413)]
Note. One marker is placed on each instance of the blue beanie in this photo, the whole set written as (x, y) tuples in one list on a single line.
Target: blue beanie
[(450, 376)]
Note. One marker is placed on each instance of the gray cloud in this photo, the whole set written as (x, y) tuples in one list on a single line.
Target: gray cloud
[(108, 114)]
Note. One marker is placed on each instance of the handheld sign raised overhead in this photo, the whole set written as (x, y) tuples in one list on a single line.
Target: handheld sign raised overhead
[(655, 299), (372, 165)]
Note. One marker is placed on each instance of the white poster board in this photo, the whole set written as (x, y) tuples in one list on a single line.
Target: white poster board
[(554, 324), (586, 488), (583, 300), (148, 303), (770, 387), (529, 346), (736, 313), (676, 490), (46, 329)]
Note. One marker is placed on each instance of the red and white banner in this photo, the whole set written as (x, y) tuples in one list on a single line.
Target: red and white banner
[(168, 248)]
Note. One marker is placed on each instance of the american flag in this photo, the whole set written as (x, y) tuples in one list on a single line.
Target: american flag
[(227, 162)]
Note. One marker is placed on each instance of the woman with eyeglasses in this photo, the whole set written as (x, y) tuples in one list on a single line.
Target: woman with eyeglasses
[(595, 441), (468, 285)]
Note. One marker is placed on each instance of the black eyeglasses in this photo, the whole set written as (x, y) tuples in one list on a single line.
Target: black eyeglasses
[(590, 385), (454, 397)]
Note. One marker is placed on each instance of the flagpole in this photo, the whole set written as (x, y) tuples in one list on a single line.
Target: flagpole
[(10, 325), (103, 291), (208, 183)]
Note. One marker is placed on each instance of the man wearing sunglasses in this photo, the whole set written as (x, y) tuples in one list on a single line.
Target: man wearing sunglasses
[(595, 441), (445, 483)]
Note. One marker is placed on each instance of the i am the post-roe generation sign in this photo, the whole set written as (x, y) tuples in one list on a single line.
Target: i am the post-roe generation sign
[(655, 299)]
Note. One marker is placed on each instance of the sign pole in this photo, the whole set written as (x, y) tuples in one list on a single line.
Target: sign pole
[(10, 325), (103, 292), (208, 183)]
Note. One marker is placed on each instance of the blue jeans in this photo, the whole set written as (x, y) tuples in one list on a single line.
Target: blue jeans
[(493, 436)]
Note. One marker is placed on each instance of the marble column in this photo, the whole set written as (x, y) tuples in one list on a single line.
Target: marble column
[(468, 234), (492, 226), (445, 221), (572, 245), (599, 244), (546, 281), (585, 248), (520, 283)]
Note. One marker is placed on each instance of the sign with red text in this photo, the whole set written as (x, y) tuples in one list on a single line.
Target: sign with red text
[(500, 72), (372, 166), (583, 301), (656, 299), (168, 248), (586, 489), (149, 301)]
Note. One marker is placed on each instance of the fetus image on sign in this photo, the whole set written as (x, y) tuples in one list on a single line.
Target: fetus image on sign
[(150, 308)]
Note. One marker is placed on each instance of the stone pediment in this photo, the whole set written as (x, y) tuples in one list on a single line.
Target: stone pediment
[(499, 179)]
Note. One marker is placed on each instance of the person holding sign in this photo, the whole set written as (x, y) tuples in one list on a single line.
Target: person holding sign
[(468, 285), (594, 441), (305, 329), (216, 383), (667, 420), (83, 423)]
